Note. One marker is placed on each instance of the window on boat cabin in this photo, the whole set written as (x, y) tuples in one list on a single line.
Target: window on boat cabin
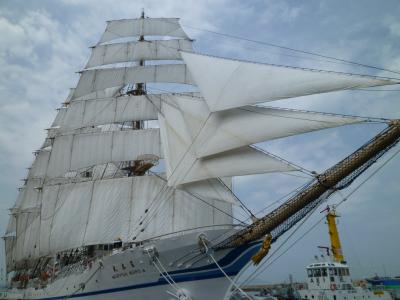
[(309, 272), (331, 271), (317, 272), (332, 279), (335, 271), (324, 272)]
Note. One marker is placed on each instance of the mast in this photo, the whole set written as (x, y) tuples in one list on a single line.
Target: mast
[(139, 88), (334, 235), (337, 177)]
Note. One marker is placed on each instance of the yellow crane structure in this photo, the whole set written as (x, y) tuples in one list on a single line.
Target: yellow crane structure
[(336, 246)]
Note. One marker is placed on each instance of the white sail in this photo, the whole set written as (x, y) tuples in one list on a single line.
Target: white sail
[(28, 196), (27, 220), (31, 240), (75, 151), (117, 29), (11, 229), (39, 166), (100, 79), (21, 226), (10, 243), (211, 189), (109, 211), (59, 117), (215, 132), (70, 216), (114, 91), (95, 112), (183, 166), (70, 94), (237, 162), (135, 51), (48, 210), (103, 211), (27, 238), (227, 83)]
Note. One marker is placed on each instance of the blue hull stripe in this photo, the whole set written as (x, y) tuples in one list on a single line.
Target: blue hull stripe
[(209, 272)]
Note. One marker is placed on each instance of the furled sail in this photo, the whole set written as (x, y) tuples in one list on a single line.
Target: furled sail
[(117, 29), (72, 152), (100, 79), (227, 83), (136, 51)]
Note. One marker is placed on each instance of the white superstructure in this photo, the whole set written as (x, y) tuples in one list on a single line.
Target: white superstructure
[(330, 280)]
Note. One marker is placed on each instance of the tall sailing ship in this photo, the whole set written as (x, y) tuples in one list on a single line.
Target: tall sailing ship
[(130, 195)]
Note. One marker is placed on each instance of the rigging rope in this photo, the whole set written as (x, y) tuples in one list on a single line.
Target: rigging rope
[(167, 277), (253, 275), (365, 119), (242, 205), (205, 202), (228, 233), (231, 36), (261, 269), (297, 167), (223, 272)]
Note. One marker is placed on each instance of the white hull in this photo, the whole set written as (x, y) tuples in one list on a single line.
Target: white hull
[(132, 274)]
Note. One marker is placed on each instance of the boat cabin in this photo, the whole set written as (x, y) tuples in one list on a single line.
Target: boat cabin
[(329, 275)]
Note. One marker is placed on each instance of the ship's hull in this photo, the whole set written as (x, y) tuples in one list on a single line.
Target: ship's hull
[(135, 273)]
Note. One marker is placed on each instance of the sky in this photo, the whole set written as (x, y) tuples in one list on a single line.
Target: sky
[(44, 43)]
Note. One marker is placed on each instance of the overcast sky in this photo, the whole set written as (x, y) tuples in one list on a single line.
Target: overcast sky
[(43, 44)]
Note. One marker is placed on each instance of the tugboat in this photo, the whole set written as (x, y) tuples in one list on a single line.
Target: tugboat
[(329, 277)]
